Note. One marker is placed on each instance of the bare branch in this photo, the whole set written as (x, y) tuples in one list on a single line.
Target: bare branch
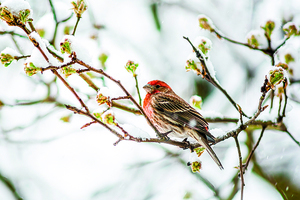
[(71, 89), (78, 111), (89, 81), (265, 88), (9, 184), (240, 165), (77, 22), (138, 90), (245, 166), (207, 76), (100, 71)]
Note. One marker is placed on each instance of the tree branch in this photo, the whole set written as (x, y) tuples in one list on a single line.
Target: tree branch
[(100, 71), (245, 166), (240, 165), (10, 186), (71, 89), (138, 90), (207, 76)]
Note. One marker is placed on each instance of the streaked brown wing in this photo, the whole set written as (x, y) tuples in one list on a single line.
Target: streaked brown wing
[(180, 111)]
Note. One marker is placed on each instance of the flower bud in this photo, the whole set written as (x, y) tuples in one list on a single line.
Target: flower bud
[(269, 27), (282, 65), (257, 38), (101, 99), (109, 118), (196, 101), (6, 59), (199, 151), (31, 69), (24, 16), (6, 15), (98, 116), (205, 23), (79, 7), (290, 29), (131, 67), (196, 166), (68, 71), (288, 58), (252, 41), (65, 46), (15, 16), (192, 66), (102, 58), (276, 77), (204, 44)]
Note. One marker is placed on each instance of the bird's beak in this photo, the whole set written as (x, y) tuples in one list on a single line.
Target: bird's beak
[(149, 88)]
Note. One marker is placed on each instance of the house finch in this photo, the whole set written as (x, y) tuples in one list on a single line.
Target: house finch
[(171, 114)]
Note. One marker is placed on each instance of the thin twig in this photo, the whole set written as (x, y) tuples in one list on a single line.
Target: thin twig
[(89, 81), (77, 21), (126, 108), (78, 111), (293, 138), (55, 55), (268, 51), (260, 109), (16, 44), (119, 98), (71, 89), (55, 67), (279, 46), (21, 57), (245, 166), (126, 134), (279, 107), (56, 22), (138, 90), (240, 165), (88, 124), (31, 26), (100, 71), (285, 100), (9, 184), (135, 139), (37, 45), (210, 79), (12, 33)]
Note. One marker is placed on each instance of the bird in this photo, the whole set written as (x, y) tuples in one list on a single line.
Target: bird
[(171, 114)]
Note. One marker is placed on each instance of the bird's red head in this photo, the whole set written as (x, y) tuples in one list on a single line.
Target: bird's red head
[(156, 86)]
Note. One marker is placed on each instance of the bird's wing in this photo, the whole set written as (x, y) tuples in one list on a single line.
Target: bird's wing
[(181, 112)]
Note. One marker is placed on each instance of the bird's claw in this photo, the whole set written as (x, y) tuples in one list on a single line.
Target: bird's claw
[(164, 136), (188, 144)]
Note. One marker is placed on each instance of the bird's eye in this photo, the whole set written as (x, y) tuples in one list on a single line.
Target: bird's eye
[(157, 86)]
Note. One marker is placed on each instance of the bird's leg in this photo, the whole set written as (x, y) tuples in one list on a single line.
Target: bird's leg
[(165, 135), (188, 144)]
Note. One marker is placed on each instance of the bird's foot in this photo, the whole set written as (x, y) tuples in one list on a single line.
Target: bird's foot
[(165, 135), (187, 144)]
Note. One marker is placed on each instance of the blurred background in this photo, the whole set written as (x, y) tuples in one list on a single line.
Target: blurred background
[(45, 155)]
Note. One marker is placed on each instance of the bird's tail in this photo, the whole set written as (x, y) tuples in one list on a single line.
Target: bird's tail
[(210, 151)]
